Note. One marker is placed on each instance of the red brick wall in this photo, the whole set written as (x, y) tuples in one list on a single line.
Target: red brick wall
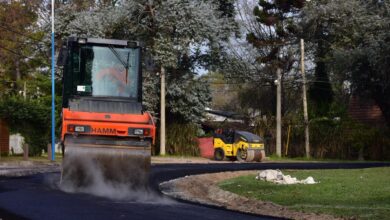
[(4, 137), (366, 111)]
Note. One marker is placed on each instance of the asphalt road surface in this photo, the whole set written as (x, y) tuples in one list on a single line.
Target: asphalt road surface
[(38, 197)]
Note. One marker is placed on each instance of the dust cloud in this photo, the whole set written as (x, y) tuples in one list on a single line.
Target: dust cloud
[(119, 176), (116, 191)]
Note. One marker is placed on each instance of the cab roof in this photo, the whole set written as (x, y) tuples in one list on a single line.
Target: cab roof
[(113, 42), (251, 138)]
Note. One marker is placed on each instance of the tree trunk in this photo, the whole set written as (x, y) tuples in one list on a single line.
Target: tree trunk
[(361, 154), (17, 69), (321, 91)]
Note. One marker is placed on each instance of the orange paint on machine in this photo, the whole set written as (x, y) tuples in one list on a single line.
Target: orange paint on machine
[(92, 123)]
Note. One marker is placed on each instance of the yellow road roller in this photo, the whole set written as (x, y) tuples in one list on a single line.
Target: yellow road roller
[(238, 145)]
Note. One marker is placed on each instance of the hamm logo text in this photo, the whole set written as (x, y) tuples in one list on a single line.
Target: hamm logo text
[(104, 130)]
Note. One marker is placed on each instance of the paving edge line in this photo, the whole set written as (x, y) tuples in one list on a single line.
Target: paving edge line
[(203, 189)]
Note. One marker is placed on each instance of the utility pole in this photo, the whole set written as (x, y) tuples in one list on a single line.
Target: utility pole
[(53, 114), (24, 91), (279, 112), (162, 112), (305, 115)]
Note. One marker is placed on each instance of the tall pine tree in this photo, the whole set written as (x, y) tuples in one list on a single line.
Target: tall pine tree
[(275, 32)]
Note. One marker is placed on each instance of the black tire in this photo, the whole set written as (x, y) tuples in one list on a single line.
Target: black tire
[(241, 155), (262, 155), (259, 155), (219, 154)]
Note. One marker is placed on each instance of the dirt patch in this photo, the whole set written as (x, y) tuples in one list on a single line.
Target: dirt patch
[(204, 189)]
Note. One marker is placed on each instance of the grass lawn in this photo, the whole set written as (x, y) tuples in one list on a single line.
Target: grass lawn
[(275, 158), (361, 193)]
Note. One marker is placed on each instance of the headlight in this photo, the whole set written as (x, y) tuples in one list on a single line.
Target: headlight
[(78, 128), (138, 131)]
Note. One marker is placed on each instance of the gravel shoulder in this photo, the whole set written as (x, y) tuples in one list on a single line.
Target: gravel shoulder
[(24, 168), (204, 189), (30, 167)]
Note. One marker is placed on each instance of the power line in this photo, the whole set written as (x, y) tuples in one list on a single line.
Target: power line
[(13, 52), (7, 28), (14, 41)]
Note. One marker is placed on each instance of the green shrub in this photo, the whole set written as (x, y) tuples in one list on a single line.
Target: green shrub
[(336, 136), (342, 139), (30, 118), (181, 139)]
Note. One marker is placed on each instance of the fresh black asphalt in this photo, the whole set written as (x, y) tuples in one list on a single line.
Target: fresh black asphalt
[(36, 197)]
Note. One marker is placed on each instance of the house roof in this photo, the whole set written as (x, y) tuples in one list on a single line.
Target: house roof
[(227, 114)]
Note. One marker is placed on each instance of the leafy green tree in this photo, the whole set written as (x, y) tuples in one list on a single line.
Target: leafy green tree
[(320, 19), (30, 115), (24, 82), (17, 29), (277, 28), (224, 95), (175, 34), (273, 36), (356, 32), (370, 60)]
